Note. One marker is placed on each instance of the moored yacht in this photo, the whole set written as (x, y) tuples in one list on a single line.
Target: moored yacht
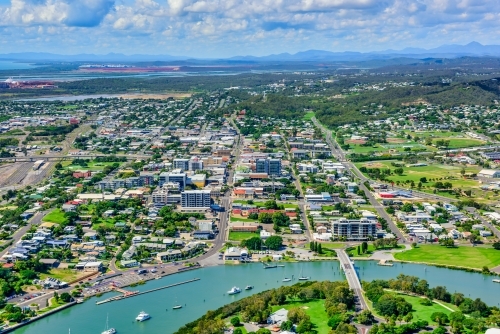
[(234, 290), (143, 316)]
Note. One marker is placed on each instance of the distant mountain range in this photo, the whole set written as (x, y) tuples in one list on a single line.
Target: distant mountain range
[(473, 49)]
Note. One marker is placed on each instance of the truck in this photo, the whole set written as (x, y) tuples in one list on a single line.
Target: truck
[(38, 164)]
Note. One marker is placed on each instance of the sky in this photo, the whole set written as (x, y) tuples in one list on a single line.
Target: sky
[(224, 28)]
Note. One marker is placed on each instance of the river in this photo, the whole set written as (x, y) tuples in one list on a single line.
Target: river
[(12, 65), (210, 293)]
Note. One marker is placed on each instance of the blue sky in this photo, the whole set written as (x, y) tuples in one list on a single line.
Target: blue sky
[(221, 28)]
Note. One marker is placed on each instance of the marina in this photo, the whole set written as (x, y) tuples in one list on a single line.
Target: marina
[(128, 294), (196, 299)]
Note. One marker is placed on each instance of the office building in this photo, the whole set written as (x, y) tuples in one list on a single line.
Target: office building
[(196, 199), (354, 229)]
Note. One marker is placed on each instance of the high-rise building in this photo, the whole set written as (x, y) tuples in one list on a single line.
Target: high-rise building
[(174, 176), (354, 229), (181, 164), (269, 166), (195, 199)]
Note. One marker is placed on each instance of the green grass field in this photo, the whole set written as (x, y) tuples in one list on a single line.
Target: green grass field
[(435, 171), (315, 309), (239, 236), (464, 256), (243, 220), (308, 116), (422, 312), (463, 142), (56, 216)]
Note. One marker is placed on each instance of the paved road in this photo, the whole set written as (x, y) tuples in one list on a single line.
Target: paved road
[(340, 155), (352, 278), (493, 228), (35, 220)]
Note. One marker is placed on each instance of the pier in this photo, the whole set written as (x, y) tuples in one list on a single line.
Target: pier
[(128, 294), (352, 277)]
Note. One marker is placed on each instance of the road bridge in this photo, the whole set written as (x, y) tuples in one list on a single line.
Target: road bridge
[(352, 278), (55, 157)]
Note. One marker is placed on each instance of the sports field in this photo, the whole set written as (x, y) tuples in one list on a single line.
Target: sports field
[(462, 256)]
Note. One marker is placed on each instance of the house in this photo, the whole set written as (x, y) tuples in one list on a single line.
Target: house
[(278, 317), (90, 235), (264, 234), (205, 235), (89, 266), (50, 263), (235, 253), (169, 255), (129, 263), (68, 207), (136, 239)]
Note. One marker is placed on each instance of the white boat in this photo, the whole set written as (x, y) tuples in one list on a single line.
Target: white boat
[(234, 290), (176, 307), (249, 287), (108, 330), (496, 280), (302, 277), (286, 279), (143, 316)]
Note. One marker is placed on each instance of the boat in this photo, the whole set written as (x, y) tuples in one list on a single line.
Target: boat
[(143, 316), (176, 307), (496, 280), (281, 265), (249, 287), (269, 266), (234, 290), (286, 279), (108, 330), (302, 277)]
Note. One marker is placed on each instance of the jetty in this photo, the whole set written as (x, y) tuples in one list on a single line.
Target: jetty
[(129, 294), (385, 263)]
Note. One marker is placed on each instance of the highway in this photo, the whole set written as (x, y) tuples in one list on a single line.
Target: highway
[(352, 279), (340, 155)]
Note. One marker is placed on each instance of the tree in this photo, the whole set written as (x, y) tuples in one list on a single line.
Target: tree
[(366, 317), (235, 321), (496, 245), (65, 297), (263, 331), (399, 171), (423, 179), (319, 249), (265, 218), (238, 331), (439, 317), (253, 243), (274, 242), (286, 325), (312, 246), (297, 314)]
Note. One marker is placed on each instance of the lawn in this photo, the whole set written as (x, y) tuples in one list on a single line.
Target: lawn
[(239, 236), (315, 309), (332, 245), (463, 142), (245, 220), (464, 256), (91, 165), (434, 171), (65, 275), (308, 116), (56, 216), (422, 312)]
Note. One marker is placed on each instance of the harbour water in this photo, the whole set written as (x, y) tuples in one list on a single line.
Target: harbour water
[(11, 65), (210, 292)]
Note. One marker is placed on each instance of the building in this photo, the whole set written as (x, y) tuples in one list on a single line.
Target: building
[(268, 166), (182, 164), (235, 253), (174, 176), (168, 194), (354, 229), (203, 235), (278, 317), (195, 164), (169, 255), (196, 199), (489, 173), (323, 197)]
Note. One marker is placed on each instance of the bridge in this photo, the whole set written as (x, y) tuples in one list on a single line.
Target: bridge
[(352, 278), (55, 157)]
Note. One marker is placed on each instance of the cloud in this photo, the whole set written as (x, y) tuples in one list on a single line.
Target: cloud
[(76, 13), (247, 26)]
